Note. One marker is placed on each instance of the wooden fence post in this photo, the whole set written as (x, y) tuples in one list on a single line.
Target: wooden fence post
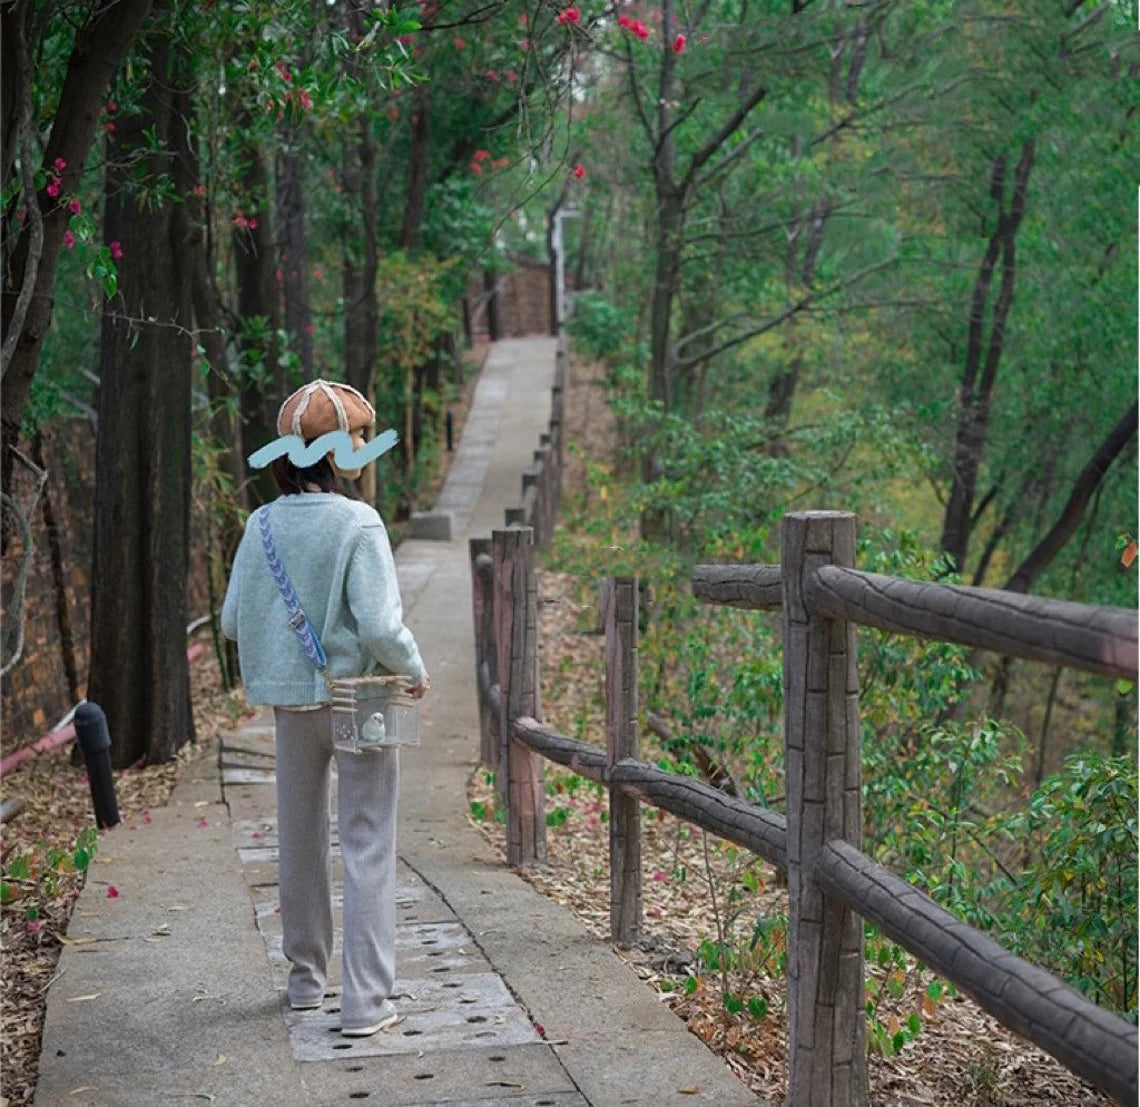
[(619, 606), (826, 1025), (485, 662), (516, 633), (542, 515)]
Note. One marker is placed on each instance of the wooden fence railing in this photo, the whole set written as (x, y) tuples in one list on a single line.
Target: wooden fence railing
[(832, 884)]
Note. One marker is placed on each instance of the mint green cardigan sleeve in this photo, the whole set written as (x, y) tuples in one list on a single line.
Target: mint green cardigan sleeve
[(374, 600)]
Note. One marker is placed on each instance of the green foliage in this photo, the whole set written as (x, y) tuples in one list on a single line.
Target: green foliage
[(598, 327), (1075, 905)]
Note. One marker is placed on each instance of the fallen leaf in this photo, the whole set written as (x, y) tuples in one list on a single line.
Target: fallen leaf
[(694, 1090), (78, 940), (1129, 555), (504, 1084), (178, 907), (82, 999), (202, 803), (163, 930), (221, 1059), (112, 892), (84, 1088)]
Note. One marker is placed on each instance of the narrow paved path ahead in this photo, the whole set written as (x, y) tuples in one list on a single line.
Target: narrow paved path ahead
[(172, 989)]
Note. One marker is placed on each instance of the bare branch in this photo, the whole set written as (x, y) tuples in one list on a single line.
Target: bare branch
[(722, 136)]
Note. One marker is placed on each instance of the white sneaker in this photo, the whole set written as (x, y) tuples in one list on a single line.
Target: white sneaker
[(388, 1020), (306, 1005)]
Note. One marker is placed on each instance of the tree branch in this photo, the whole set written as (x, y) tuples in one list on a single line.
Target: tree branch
[(722, 136)]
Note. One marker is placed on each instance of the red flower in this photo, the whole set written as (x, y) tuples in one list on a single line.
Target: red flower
[(641, 30), (512, 76), (500, 163), (458, 43), (68, 239), (112, 892), (53, 187), (60, 165), (482, 155), (253, 224), (116, 251), (306, 99), (679, 44), (624, 22), (199, 190), (202, 824), (569, 15), (109, 128), (477, 169), (73, 206), (579, 171), (111, 107), (283, 69)]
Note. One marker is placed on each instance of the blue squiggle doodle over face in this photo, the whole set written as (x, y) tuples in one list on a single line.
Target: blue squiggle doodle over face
[(340, 442)]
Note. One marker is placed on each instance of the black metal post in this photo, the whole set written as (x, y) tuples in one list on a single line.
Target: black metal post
[(95, 741), (449, 427)]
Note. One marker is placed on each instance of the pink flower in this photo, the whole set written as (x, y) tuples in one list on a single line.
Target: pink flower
[(60, 165), (68, 239), (109, 128), (319, 273), (624, 22), (310, 328), (200, 190), (279, 276), (458, 43), (679, 44), (477, 169), (512, 76), (73, 206), (500, 163), (659, 877), (112, 892), (111, 107), (201, 824), (33, 926), (482, 155), (256, 834), (53, 187), (306, 99), (579, 171), (116, 251), (641, 30), (569, 15), (240, 221), (253, 224), (492, 75), (283, 69), (653, 912)]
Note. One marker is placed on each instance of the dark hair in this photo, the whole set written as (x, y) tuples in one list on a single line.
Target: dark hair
[(290, 479)]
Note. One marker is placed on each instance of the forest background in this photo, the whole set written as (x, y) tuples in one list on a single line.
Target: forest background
[(873, 255)]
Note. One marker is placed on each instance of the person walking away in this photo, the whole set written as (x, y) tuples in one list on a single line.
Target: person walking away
[(336, 553)]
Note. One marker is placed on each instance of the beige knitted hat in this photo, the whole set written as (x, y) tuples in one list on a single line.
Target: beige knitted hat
[(323, 406)]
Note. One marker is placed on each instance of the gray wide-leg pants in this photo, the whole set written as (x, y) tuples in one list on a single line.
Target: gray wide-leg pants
[(368, 786)]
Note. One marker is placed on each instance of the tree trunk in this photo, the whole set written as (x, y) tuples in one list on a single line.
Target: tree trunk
[(294, 265), (99, 48), (417, 169), (1067, 522), (263, 387), (139, 673), (58, 576), (978, 377)]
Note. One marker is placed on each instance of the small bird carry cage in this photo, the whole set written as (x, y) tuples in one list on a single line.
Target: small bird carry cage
[(372, 713)]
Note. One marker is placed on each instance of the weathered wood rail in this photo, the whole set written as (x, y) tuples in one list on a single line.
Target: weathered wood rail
[(832, 884)]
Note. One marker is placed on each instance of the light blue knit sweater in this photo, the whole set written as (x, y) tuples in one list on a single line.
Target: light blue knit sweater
[(337, 554)]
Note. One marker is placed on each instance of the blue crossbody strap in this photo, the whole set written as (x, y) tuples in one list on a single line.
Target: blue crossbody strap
[(297, 618)]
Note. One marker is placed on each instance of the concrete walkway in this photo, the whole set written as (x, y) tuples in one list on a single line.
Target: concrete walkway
[(172, 990)]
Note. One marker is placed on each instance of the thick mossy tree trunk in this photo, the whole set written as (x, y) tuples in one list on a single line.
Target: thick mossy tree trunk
[(30, 268), (139, 673)]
